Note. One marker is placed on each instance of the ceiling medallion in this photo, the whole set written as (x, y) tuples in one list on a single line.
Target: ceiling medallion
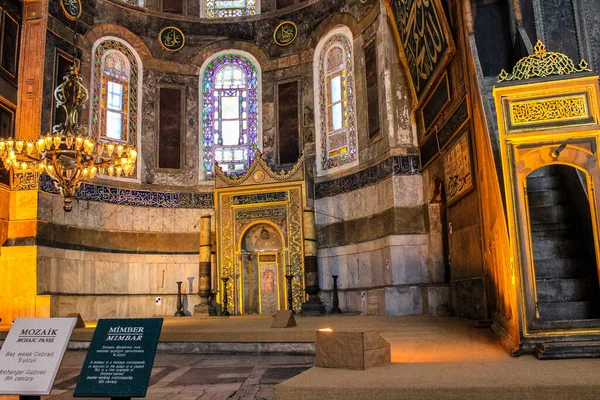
[(171, 39), (71, 8), (285, 33)]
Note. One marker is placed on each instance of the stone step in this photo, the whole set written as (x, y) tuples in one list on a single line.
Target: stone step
[(543, 183), (546, 197), (549, 170), (566, 311), (560, 233), (551, 214), (562, 268), (556, 290), (543, 227), (549, 248)]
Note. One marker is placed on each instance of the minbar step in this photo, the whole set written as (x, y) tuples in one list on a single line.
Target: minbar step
[(563, 350)]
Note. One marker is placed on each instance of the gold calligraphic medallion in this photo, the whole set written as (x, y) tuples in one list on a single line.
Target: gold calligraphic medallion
[(285, 33), (171, 39), (71, 8)]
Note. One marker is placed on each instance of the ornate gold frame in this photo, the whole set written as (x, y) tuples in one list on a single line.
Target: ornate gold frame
[(257, 187), (531, 144), (279, 26), (166, 48)]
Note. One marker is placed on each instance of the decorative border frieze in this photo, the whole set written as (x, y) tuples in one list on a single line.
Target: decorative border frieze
[(129, 197), (395, 165)]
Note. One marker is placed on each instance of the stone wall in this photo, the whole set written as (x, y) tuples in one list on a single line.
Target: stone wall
[(109, 260), (115, 285)]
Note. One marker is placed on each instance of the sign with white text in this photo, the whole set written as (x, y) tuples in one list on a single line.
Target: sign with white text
[(120, 358), (32, 353)]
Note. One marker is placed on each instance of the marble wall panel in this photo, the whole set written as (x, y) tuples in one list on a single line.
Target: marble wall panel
[(94, 307), (396, 191), (76, 278), (407, 300), (120, 218), (398, 263)]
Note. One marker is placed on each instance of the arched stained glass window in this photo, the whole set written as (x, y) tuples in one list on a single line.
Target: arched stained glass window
[(230, 113), (115, 92), (229, 8), (114, 95), (336, 126)]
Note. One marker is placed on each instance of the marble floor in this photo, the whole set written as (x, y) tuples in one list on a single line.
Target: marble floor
[(198, 376)]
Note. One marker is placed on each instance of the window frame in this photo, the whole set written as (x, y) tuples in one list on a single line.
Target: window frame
[(124, 112), (100, 47), (326, 163), (248, 63)]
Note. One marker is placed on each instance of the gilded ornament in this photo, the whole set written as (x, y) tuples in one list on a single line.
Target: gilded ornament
[(259, 176), (285, 33), (547, 110), (541, 64), (171, 39), (236, 180), (71, 8)]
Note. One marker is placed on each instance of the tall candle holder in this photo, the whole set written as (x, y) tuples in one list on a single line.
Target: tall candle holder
[(225, 311), (336, 301), (179, 312), (289, 276)]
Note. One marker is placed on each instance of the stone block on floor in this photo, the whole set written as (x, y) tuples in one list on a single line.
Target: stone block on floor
[(283, 319), (351, 350)]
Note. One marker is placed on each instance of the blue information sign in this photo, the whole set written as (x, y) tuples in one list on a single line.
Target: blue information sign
[(120, 358)]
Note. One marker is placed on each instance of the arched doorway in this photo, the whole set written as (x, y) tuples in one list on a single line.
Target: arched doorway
[(562, 240), (262, 269)]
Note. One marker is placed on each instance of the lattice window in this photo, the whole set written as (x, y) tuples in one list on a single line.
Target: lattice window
[(336, 104), (229, 8), (230, 113)]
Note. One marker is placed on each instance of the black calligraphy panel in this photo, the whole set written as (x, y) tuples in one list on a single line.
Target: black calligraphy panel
[(423, 35)]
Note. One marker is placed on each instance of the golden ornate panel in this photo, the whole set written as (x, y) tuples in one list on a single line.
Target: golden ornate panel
[(239, 207), (544, 107), (549, 110)]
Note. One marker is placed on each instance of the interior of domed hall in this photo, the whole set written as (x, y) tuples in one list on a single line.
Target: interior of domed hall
[(370, 165)]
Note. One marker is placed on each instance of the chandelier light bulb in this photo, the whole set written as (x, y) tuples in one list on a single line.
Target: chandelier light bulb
[(68, 155)]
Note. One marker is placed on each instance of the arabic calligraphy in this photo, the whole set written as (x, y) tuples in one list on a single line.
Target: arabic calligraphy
[(71, 8), (171, 38), (285, 33), (457, 169), (423, 36)]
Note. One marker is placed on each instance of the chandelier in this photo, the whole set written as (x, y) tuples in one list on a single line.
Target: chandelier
[(69, 155)]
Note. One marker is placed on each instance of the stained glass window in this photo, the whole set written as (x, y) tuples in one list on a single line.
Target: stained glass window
[(337, 126), (230, 113), (114, 92), (229, 8), (115, 85)]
